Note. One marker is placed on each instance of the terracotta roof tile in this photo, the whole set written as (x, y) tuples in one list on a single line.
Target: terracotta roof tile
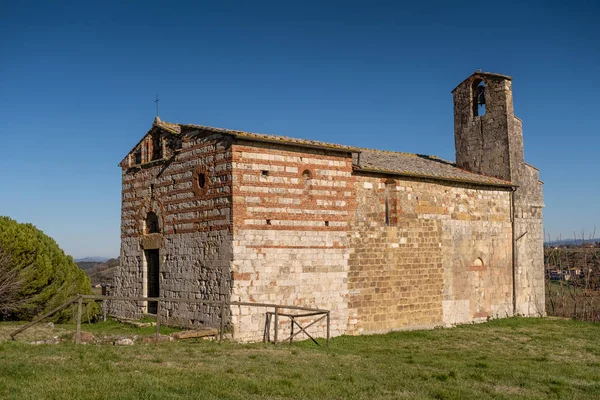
[(419, 165), (261, 137), (379, 161)]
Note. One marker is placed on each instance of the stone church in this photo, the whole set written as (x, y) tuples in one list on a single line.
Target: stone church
[(385, 240)]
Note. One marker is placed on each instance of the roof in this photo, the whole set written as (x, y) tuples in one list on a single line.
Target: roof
[(368, 160), (419, 166), (260, 137)]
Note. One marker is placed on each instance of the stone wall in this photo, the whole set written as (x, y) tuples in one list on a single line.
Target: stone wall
[(443, 258), (492, 144), (529, 236), (194, 239), (482, 143), (291, 212)]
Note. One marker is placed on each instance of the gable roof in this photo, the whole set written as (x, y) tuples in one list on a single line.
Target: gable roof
[(367, 160)]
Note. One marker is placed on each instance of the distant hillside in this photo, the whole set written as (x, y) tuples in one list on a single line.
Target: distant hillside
[(92, 259), (100, 272), (571, 242), (84, 265)]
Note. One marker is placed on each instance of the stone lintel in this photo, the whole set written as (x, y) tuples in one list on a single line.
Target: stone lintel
[(151, 241)]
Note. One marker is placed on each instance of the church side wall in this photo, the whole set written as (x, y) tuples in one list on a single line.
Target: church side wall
[(445, 257), (530, 244), (291, 216), (194, 242)]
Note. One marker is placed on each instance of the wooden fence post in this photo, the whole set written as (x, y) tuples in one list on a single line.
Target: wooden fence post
[(328, 326), (276, 324), (157, 321), (79, 307), (222, 321)]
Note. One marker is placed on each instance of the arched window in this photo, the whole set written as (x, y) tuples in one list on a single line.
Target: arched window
[(152, 223), (138, 155), (478, 100), (306, 175)]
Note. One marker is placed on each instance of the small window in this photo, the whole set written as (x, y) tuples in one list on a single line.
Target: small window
[(306, 175), (152, 223), (264, 173), (478, 262), (157, 152), (326, 223), (268, 222), (201, 179), (147, 154), (138, 155)]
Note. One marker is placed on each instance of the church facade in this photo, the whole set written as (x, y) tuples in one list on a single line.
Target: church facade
[(385, 240)]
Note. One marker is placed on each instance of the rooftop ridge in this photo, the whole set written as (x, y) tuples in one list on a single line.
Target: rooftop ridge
[(267, 137), (407, 154)]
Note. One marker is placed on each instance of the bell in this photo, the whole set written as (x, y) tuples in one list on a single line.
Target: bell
[(480, 95)]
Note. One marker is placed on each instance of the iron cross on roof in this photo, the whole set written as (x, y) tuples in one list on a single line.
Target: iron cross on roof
[(156, 101)]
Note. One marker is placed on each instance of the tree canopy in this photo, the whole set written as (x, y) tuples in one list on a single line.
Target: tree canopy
[(42, 275)]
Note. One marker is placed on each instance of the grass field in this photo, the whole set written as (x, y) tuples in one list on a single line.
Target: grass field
[(502, 359)]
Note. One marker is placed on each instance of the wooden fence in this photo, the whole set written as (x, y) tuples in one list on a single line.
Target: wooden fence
[(223, 305)]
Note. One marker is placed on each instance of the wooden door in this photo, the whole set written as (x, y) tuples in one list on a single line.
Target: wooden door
[(153, 279)]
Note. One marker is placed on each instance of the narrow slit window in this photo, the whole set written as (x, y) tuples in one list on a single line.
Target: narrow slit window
[(138, 155), (201, 181), (157, 152), (390, 203), (387, 204)]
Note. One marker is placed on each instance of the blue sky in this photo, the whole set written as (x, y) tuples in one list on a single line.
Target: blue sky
[(78, 81)]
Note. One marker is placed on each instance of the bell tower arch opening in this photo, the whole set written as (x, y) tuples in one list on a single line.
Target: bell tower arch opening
[(478, 97)]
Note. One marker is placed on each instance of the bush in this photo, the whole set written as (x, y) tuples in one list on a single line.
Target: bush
[(38, 276)]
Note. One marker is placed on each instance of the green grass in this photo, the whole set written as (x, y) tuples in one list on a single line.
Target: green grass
[(503, 359)]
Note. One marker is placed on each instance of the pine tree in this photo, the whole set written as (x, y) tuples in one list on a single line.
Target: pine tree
[(46, 277)]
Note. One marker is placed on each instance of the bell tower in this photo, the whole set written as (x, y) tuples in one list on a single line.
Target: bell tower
[(488, 136), (489, 141)]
